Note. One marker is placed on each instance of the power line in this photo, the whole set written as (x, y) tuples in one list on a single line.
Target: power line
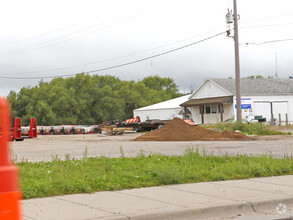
[(121, 57), (267, 18), (79, 33), (266, 25), (267, 42), (119, 65), (69, 26)]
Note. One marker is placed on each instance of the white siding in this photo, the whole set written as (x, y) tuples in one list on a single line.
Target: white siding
[(196, 117), (263, 109), (252, 105), (280, 109), (212, 118), (210, 90), (261, 106), (162, 114), (228, 112)]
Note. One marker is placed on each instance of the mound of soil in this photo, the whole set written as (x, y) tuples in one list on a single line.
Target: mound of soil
[(178, 130)]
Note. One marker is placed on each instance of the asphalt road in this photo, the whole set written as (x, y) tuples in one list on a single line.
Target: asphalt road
[(44, 148)]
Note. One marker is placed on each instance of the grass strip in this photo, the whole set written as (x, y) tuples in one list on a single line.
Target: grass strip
[(246, 128), (43, 179)]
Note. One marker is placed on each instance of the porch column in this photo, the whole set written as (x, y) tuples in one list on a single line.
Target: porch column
[(185, 112), (221, 111), (201, 110)]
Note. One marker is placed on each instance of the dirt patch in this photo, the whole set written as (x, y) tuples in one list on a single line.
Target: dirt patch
[(178, 130)]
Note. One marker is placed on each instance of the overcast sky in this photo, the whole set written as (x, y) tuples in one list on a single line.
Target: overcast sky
[(57, 37)]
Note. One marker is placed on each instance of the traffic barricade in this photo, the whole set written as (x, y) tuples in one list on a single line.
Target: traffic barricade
[(10, 195)]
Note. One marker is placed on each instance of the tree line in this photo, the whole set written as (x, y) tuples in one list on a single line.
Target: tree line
[(87, 100)]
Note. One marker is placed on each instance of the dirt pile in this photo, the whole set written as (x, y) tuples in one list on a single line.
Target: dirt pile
[(178, 130)]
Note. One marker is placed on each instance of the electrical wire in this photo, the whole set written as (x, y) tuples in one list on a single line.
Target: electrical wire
[(120, 57), (119, 65), (267, 18), (267, 42), (69, 26), (59, 40), (266, 25)]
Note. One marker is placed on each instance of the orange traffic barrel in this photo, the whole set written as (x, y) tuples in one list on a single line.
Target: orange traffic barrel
[(33, 128), (10, 195), (17, 129)]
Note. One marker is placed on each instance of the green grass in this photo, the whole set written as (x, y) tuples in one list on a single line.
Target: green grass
[(58, 177), (245, 128)]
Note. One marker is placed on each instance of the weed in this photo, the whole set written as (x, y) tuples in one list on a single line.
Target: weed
[(166, 175), (122, 152), (13, 156), (246, 128), (67, 157), (58, 177), (85, 153), (141, 153), (55, 158)]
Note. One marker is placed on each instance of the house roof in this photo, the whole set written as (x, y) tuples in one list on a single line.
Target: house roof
[(172, 103), (211, 101), (260, 86)]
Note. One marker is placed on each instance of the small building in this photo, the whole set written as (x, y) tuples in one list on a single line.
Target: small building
[(215, 100), (164, 110)]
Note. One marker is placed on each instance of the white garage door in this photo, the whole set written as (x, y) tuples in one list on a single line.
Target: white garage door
[(264, 109), (280, 108)]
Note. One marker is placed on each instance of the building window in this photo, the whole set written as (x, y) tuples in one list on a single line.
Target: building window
[(214, 109), (211, 109), (207, 109)]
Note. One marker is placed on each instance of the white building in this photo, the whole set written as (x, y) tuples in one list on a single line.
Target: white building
[(215, 100), (164, 110)]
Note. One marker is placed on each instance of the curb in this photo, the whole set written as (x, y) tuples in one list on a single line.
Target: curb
[(262, 206), (233, 210)]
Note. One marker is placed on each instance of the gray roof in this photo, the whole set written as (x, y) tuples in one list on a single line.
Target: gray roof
[(261, 86)]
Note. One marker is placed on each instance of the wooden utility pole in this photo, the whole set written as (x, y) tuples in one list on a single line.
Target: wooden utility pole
[(237, 64)]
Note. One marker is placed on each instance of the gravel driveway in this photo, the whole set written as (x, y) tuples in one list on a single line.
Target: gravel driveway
[(44, 148)]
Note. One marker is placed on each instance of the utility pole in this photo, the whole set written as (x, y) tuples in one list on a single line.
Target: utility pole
[(276, 55), (237, 64)]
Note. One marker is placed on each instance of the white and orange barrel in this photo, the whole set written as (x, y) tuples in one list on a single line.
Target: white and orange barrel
[(189, 122), (132, 120)]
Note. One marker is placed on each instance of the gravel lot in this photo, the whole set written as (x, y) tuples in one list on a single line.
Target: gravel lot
[(44, 148)]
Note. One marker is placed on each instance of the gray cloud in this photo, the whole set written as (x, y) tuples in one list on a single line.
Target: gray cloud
[(65, 34)]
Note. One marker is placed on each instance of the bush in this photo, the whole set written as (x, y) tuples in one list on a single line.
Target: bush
[(246, 128)]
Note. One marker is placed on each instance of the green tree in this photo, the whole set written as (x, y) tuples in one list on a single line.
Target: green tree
[(86, 99)]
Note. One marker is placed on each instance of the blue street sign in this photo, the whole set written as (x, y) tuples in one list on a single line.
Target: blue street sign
[(244, 106)]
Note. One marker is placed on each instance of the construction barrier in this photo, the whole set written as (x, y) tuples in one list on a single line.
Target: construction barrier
[(33, 128), (189, 122), (10, 195), (136, 119), (17, 129)]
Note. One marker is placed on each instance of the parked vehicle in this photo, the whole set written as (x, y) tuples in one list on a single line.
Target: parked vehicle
[(138, 125)]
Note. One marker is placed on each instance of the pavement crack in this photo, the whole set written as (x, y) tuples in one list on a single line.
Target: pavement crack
[(252, 206), (155, 200), (77, 203), (204, 194), (241, 187), (29, 217), (279, 184)]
